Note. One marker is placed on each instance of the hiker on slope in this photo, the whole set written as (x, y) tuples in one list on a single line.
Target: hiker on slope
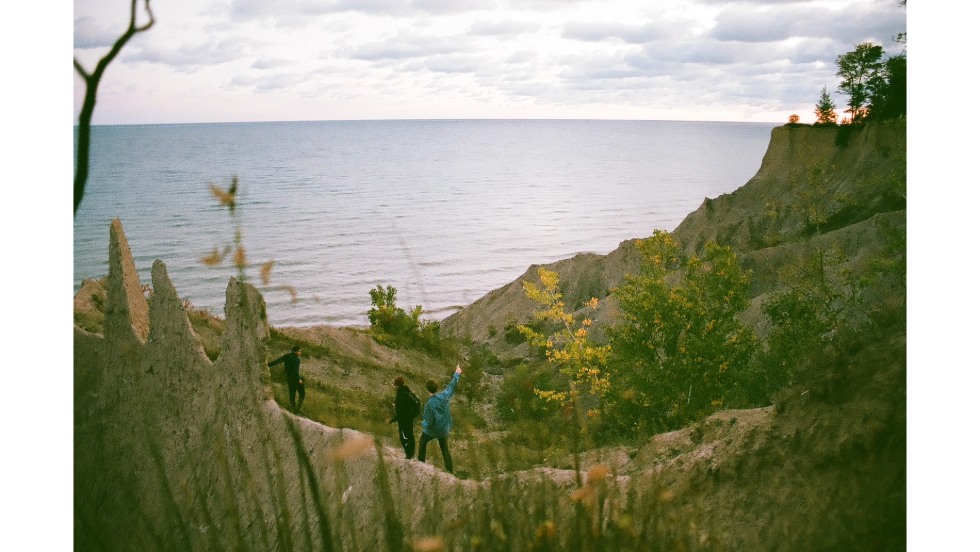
[(436, 420), (294, 381), (407, 408)]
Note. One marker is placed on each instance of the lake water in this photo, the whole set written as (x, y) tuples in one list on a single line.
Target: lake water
[(444, 211)]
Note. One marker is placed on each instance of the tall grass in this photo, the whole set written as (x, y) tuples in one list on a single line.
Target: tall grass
[(254, 503)]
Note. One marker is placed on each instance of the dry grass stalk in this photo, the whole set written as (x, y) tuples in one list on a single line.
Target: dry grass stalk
[(353, 447)]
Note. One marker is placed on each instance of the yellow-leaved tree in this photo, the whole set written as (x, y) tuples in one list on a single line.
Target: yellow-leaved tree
[(567, 346)]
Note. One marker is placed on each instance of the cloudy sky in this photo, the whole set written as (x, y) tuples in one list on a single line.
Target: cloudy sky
[(246, 60)]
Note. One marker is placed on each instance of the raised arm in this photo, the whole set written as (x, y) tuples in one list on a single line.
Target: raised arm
[(452, 382)]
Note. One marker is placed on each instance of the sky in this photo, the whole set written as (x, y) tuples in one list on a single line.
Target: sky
[(257, 60), (368, 59)]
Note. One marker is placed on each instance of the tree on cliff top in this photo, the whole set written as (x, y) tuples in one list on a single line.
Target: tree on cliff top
[(862, 74), (876, 88), (826, 109), (891, 102)]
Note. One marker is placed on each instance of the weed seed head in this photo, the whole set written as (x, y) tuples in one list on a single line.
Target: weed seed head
[(429, 544), (352, 447)]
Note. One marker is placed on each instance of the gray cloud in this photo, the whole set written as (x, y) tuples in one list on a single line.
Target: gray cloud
[(295, 11), (454, 64), (629, 58), (269, 83), (754, 2), (754, 55), (522, 56), (288, 9), (599, 73), (406, 45), (507, 27), (89, 33), (450, 6), (848, 25), (703, 72), (190, 56), (542, 5), (269, 63), (654, 56), (630, 33)]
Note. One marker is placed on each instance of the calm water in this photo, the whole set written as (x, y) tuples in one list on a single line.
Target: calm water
[(444, 211)]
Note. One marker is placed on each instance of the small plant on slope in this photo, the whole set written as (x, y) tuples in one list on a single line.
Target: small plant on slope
[(568, 347)]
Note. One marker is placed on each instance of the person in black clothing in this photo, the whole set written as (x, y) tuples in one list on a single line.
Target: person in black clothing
[(290, 362), (406, 409)]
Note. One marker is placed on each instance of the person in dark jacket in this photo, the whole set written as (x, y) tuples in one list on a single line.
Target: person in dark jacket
[(436, 419), (294, 381), (406, 409)]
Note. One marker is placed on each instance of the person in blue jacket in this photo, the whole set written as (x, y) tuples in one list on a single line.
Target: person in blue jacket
[(436, 419)]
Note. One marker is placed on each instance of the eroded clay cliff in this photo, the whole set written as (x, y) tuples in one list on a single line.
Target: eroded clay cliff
[(173, 451)]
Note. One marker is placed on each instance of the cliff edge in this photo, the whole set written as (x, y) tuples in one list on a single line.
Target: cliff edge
[(808, 192)]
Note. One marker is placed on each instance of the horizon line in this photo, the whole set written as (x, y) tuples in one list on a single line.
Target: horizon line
[(434, 119)]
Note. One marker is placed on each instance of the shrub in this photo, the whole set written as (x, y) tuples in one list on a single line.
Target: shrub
[(512, 333), (395, 327), (823, 300), (516, 399), (679, 351)]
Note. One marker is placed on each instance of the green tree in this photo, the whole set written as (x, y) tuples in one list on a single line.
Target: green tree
[(862, 77), (826, 109), (815, 198), (679, 350), (890, 102)]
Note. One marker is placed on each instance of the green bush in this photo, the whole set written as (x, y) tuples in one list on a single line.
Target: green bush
[(516, 399), (823, 299), (679, 350), (512, 335), (394, 327)]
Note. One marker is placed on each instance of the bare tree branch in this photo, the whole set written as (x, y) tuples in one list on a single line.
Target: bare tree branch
[(91, 86)]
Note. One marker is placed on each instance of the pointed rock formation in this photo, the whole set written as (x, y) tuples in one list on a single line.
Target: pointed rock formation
[(175, 452), (126, 311)]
